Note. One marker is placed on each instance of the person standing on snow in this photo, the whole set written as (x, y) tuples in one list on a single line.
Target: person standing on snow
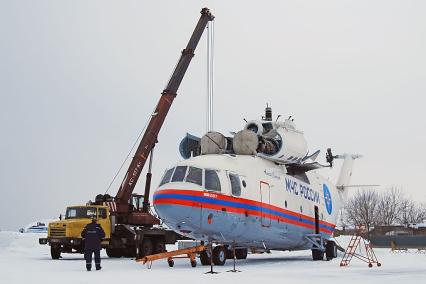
[(92, 235)]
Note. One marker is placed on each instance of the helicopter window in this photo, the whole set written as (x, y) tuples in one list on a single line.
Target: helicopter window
[(212, 180), (195, 175), (285, 203), (235, 184), (167, 176), (244, 183), (179, 173)]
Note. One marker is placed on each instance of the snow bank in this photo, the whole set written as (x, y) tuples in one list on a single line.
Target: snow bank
[(20, 242), (6, 238)]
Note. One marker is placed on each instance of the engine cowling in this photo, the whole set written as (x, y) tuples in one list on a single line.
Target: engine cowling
[(278, 141)]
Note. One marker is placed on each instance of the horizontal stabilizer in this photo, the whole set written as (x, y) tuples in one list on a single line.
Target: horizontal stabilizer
[(313, 157), (357, 185)]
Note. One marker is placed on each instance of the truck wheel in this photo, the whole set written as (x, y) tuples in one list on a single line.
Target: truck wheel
[(205, 258), (230, 253), (241, 253), (159, 246), (145, 248), (317, 254), (130, 252), (112, 252), (171, 262), (109, 252), (219, 255), (330, 250), (55, 252)]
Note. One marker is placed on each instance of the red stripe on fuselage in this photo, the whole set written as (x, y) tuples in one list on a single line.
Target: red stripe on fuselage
[(237, 210), (239, 200)]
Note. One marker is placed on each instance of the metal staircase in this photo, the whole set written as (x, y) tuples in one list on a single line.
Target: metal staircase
[(357, 241)]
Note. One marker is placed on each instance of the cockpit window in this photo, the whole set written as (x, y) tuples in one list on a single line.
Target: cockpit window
[(212, 180), (195, 175), (179, 173), (235, 184), (167, 176)]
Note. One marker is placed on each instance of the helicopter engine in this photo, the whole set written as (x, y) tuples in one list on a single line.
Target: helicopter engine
[(278, 141)]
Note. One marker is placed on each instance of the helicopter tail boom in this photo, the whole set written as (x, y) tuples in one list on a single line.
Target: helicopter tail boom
[(345, 172)]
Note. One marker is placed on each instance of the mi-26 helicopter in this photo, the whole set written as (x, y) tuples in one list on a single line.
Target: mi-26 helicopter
[(258, 190)]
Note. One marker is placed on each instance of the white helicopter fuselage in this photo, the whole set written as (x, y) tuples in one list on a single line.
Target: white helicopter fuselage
[(247, 200)]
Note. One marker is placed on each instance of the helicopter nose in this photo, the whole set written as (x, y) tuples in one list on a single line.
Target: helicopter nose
[(173, 212)]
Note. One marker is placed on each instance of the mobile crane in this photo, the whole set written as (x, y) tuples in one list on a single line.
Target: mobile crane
[(126, 218)]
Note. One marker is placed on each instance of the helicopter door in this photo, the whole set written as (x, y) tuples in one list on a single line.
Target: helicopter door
[(265, 199), (317, 227)]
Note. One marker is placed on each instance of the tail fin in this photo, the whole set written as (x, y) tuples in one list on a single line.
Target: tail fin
[(345, 173)]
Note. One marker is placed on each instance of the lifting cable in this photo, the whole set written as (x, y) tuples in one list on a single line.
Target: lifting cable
[(210, 75), (130, 152), (210, 89)]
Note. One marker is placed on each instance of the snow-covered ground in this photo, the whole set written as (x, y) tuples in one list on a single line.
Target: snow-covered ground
[(23, 260)]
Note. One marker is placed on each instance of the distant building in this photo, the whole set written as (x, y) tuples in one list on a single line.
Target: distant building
[(400, 230)]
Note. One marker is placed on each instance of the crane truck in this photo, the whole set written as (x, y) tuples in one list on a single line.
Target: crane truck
[(130, 228)]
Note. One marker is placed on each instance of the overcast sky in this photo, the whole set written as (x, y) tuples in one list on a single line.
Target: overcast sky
[(78, 80)]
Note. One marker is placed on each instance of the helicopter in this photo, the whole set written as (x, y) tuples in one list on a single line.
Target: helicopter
[(256, 191)]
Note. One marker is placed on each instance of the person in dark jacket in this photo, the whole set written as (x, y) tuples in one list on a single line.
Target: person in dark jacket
[(92, 235)]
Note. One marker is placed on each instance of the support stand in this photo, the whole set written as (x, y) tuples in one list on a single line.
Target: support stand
[(316, 240), (233, 251), (211, 261)]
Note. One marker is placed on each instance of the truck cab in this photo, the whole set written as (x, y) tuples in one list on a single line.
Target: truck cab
[(65, 235)]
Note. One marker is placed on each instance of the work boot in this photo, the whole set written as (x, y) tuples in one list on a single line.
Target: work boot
[(88, 267), (98, 267)]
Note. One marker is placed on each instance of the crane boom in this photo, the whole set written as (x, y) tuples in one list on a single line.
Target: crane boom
[(158, 116)]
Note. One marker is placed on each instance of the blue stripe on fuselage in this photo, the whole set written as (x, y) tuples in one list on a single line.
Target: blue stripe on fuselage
[(238, 205)]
